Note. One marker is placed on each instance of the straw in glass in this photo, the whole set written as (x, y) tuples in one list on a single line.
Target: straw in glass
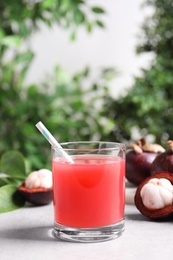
[(45, 132)]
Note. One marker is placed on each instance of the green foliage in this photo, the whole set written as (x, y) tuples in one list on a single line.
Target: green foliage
[(157, 33), (70, 111), (13, 168), (70, 107), (12, 173), (13, 164), (147, 107), (10, 199), (21, 18)]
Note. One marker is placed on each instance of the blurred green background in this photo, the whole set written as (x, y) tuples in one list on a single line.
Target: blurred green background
[(70, 108)]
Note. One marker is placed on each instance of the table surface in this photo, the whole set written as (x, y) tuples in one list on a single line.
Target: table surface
[(27, 234)]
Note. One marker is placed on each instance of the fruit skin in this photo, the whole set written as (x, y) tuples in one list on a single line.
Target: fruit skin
[(165, 212), (37, 187), (36, 196), (164, 161), (138, 166), (138, 160)]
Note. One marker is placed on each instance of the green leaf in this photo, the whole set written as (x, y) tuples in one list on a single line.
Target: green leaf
[(100, 23), (4, 179), (24, 57), (1, 34), (48, 3), (86, 72), (109, 73), (2, 182), (95, 87), (13, 164), (10, 199), (89, 27), (11, 41), (79, 17), (73, 36), (98, 10)]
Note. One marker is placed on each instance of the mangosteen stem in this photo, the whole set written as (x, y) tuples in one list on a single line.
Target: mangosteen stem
[(141, 142), (170, 145), (137, 148)]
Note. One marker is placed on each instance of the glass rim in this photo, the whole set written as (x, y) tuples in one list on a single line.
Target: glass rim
[(115, 145)]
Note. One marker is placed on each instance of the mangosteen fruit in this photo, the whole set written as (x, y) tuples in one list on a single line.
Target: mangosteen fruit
[(37, 188), (154, 196), (139, 159), (164, 161)]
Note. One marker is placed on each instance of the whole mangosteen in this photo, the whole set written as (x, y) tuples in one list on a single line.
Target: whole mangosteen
[(139, 159), (164, 161)]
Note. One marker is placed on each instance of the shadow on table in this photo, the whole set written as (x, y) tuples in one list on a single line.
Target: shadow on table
[(44, 233), (136, 217), (140, 217)]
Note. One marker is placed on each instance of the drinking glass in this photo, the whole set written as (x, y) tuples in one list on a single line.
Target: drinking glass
[(89, 193)]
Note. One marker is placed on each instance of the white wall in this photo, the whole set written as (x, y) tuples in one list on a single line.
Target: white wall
[(114, 46)]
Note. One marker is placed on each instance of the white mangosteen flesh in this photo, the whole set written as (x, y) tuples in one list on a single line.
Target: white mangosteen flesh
[(39, 179), (157, 194)]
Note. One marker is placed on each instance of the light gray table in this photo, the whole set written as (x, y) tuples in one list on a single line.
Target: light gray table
[(27, 234)]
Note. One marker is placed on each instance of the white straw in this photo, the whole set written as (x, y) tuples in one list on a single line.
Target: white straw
[(45, 132)]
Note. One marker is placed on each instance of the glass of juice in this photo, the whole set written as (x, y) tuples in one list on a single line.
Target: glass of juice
[(89, 193)]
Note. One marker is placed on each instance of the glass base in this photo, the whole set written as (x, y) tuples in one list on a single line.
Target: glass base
[(88, 235)]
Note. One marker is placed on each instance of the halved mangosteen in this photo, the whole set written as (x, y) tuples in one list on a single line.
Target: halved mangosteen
[(37, 188), (154, 196)]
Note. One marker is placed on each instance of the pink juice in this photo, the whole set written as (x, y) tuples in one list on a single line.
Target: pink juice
[(90, 192)]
